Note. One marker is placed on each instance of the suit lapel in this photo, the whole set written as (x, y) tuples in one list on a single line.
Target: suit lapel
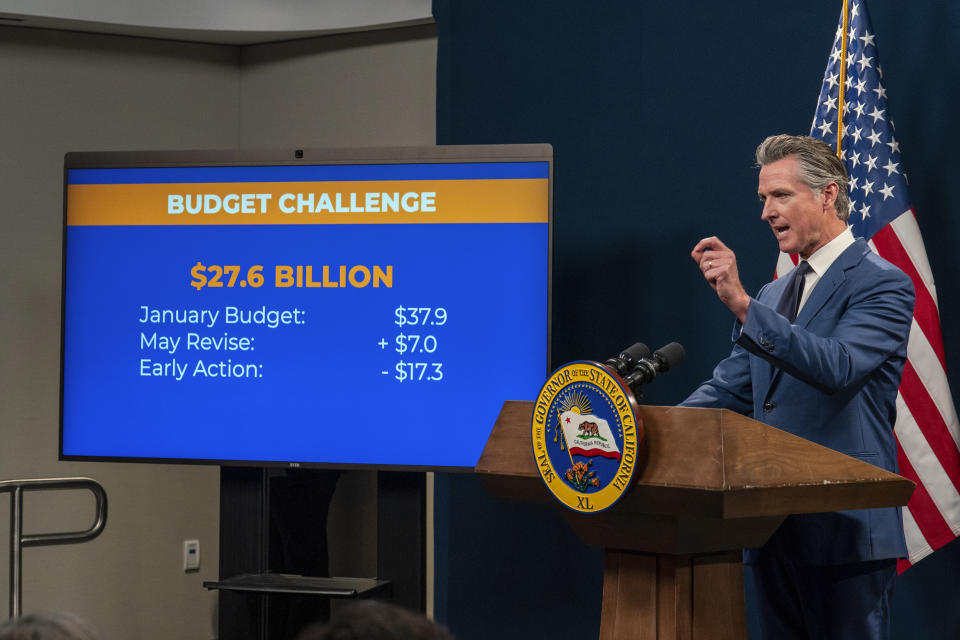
[(826, 287), (822, 292), (831, 281)]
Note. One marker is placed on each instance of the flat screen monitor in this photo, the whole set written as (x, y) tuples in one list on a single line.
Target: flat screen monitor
[(327, 308)]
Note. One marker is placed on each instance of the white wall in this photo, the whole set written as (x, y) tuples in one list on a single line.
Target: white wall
[(373, 88), (71, 92)]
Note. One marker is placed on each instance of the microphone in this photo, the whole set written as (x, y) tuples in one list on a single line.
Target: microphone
[(646, 369), (627, 359)]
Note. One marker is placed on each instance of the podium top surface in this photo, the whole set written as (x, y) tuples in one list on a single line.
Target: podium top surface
[(716, 463)]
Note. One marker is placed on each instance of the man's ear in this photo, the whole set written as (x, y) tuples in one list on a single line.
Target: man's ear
[(829, 193)]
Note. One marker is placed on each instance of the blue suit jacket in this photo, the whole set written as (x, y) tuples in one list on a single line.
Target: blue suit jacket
[(833, 380)]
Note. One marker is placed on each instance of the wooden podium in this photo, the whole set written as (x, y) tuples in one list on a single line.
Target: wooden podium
[(710, 483)]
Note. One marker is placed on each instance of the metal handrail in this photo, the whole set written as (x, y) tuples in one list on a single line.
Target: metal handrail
[(18, 541)]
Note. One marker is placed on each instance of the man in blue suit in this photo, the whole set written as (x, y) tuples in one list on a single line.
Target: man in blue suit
[(818, 353)]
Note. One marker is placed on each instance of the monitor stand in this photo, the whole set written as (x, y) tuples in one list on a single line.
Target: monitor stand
[(274, 557)]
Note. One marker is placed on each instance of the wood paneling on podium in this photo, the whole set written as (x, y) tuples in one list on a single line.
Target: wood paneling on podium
[(711, 482)]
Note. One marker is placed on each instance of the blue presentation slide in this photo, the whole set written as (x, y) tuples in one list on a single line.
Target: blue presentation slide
[(348, 315)]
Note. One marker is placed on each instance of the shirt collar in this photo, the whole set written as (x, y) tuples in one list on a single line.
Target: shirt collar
[(822, 258)]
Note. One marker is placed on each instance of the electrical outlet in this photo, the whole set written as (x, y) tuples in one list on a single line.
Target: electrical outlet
[(191, 555)]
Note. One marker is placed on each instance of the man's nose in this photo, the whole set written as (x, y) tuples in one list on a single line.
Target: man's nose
[(767, 211)]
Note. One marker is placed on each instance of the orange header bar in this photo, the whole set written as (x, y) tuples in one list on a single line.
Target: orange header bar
[(270, 203)]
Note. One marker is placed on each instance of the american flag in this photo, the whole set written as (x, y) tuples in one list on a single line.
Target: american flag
[(927, 430)]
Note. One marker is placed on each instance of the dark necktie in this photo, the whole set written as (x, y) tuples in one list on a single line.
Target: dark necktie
[(790, 301)]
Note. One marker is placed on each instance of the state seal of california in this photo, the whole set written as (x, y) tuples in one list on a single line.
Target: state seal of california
[(586, 436)]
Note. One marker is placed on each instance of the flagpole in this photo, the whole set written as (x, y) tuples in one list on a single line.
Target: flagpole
[(843, 79)]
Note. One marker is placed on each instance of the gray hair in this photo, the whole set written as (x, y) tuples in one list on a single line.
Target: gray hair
[(818, 162)]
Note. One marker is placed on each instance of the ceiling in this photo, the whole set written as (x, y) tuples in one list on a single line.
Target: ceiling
[(233, 22)]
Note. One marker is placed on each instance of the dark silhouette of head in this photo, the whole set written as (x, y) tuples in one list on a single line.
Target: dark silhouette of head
[(374, 620), (47, 625)]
